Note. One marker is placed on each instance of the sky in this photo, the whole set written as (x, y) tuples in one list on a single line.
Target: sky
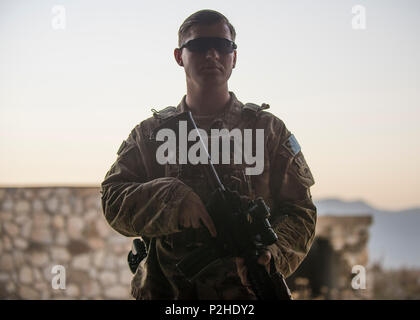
[(71, 91)]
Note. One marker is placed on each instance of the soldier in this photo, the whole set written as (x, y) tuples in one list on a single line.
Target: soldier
[(164, 204)]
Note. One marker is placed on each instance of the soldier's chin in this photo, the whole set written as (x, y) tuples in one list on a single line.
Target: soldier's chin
[(211, 70), (212, 78)]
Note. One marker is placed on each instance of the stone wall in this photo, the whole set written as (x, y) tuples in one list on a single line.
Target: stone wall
[(348, 236), (44, 227), (339, 253)]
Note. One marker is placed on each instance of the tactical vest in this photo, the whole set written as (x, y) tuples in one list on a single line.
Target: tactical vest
[(232, 176)]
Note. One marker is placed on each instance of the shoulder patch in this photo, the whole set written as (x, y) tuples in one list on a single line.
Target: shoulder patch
[(303, 171), (292, 145)]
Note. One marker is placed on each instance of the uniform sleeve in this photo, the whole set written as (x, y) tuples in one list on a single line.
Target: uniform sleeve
[(293, 212), (133, 203)]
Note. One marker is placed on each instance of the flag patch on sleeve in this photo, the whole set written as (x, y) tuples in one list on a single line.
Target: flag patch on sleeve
[(292, 145)]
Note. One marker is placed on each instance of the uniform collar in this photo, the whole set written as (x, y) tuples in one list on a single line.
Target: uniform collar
[(228, 115), (183, 107)]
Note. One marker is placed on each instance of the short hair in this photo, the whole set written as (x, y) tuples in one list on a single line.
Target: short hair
[(203, 17)]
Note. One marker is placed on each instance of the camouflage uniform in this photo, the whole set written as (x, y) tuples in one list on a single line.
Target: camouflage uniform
[(142, 198)]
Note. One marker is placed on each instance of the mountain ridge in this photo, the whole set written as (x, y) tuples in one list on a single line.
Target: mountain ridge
[(327, 206)]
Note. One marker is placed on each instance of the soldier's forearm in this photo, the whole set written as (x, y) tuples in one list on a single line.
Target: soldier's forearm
[(296, 231), (148, 209)]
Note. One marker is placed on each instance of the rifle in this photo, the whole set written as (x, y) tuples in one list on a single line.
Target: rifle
[(243, 231)]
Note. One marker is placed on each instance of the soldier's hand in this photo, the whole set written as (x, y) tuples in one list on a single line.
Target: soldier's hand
[(263, 259), (193, 213)]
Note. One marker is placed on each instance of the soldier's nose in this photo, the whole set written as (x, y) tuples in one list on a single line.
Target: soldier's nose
[(212, 52)]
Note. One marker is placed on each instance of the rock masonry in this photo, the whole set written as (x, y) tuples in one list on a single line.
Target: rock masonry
[(45, 227)]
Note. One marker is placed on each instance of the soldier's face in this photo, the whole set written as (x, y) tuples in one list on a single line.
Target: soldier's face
[(211, 67)]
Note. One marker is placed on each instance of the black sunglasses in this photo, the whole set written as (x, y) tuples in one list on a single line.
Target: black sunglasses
[(201, 45)]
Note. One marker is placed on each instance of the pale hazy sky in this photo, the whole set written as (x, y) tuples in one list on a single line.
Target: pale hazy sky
[(69, 97)]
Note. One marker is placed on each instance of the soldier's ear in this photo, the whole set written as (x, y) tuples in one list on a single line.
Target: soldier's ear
[(178, 57), (234, 59)]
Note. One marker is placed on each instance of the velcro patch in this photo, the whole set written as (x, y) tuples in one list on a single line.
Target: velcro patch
[(292, 145)]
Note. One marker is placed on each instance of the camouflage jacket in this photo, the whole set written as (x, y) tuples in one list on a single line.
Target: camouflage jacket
[(142, 198)]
